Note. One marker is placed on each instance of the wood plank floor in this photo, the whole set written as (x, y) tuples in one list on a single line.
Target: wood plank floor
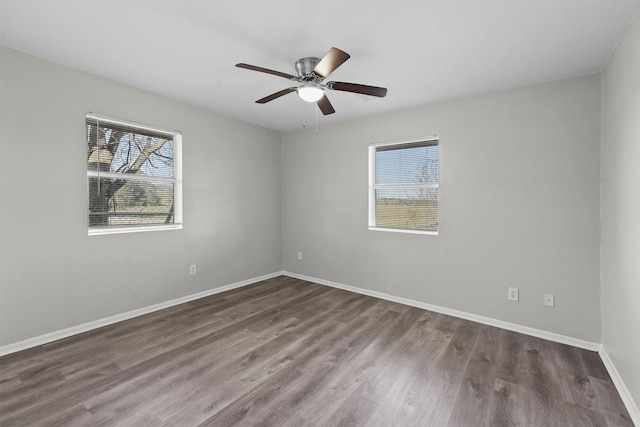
[(286, 352)]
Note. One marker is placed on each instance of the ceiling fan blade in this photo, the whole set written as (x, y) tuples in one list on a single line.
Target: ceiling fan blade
[(266, 70), (380, 92), (276, 95), (330, 61), (325, 106)]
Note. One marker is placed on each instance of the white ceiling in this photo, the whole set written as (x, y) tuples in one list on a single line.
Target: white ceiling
[(422, 51)]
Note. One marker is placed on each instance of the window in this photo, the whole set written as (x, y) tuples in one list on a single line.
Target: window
[(133, 177), (404, 181)]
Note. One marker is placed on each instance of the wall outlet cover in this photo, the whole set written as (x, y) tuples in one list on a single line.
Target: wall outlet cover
[(549, 300)]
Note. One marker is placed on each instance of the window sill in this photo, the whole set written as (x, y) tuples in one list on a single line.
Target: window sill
[(101, 231), (403, 230)]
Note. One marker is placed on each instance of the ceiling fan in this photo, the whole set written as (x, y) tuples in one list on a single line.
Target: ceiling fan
[(311, 73)]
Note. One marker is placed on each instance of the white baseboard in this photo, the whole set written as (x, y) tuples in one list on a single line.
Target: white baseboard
[(64, 333), (632, 408), (551, 336)]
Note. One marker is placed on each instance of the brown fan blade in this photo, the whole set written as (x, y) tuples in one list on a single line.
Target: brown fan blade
[(330, 61), (380, 92), (276, 95), (266, 70), (325, 106)]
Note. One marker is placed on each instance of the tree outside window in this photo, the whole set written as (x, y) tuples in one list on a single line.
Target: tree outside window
[(132, 174)]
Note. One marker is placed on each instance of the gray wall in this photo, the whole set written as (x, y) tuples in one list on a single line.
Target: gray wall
[(52, 275), (621, 209), (520, 194)]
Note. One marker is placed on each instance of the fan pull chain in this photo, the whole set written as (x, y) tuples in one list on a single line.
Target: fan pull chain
[(304, 117), (316, 118)]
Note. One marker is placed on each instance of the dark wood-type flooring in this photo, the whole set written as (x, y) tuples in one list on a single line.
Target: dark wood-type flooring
[(285, 352)]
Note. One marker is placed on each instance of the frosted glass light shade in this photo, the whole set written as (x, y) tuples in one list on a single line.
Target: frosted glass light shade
[(310, 92)]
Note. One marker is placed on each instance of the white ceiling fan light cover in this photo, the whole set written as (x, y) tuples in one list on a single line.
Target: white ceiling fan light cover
[(310, 92)]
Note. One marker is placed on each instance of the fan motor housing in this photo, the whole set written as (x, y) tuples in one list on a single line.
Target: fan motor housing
[(305, 67)]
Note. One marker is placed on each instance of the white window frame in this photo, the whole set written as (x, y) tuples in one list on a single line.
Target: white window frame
[(177, 179), (373, 186)]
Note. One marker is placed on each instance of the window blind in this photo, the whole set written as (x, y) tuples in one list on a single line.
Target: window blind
[(132, 175), (405, 186)]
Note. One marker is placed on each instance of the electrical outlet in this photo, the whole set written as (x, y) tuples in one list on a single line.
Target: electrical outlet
[(549, 300), (299, 256), (192, 270), (513, 294)]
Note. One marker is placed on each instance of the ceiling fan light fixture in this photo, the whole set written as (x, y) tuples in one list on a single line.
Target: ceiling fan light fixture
[(311, 72), (310, 92)]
